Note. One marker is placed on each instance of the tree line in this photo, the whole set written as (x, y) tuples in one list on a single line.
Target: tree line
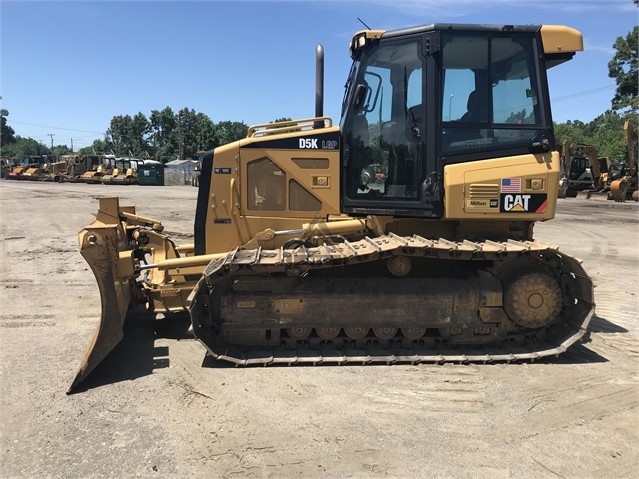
[(164, 136), (167, 136)]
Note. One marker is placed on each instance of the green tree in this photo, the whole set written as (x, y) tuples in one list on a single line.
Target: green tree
[(186, 128), (129, 134), (195, 133), (25, 147), (607, 135), (624, 68), (118, 132), (205, 138), (7, 135), (139, 131), (60, 150), (165, 135), (163, 140), (96, 148), (230, 131), (573, 131)]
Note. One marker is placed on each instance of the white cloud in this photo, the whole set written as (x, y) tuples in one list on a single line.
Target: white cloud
[(592, 47)]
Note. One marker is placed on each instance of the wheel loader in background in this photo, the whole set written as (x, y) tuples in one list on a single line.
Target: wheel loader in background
[(299, 256)]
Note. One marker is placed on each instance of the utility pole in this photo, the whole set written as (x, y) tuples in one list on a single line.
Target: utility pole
[(51, 135), (71, 145)]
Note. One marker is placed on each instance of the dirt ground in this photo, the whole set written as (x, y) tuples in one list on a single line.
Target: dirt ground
[(157, 408)]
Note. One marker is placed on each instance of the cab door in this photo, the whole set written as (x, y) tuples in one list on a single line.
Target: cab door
[(385, 161)]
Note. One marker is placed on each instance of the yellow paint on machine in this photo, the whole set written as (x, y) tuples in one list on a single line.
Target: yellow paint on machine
[(469, 187)]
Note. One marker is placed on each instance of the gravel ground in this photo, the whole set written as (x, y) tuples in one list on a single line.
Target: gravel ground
[(157, 408)]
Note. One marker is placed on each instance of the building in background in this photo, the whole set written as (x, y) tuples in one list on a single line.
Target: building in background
[(181, 172)]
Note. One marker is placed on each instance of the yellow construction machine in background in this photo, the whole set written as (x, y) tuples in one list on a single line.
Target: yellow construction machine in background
[(586, 175), (625, 187)]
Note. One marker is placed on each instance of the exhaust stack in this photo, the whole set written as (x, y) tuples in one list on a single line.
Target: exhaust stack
[(319, 85)]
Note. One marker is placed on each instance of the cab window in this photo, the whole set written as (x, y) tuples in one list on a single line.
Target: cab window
[(489, 99)]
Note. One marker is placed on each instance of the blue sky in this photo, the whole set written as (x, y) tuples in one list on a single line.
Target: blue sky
[(68, 67)]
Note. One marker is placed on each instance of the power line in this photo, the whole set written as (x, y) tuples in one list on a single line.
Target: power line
[(55, 127), (591, 91), (583, 93)]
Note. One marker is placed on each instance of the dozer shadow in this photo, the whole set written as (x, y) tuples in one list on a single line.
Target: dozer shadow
[(577, 354), (601, 325), (137, 355)]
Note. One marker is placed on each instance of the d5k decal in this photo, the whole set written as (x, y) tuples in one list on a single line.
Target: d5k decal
[(531, 203)]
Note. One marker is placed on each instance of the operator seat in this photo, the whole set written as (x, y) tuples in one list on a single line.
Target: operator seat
[(360, 129), (475, 108)]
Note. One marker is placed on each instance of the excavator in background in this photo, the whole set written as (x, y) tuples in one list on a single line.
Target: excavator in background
[(301, 256), (583, 172), (625, 186), (586, 175)]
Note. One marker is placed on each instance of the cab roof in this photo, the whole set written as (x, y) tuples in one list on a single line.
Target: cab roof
[(560, 42)]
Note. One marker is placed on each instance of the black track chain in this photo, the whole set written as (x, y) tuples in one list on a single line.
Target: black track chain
[(573, 323)]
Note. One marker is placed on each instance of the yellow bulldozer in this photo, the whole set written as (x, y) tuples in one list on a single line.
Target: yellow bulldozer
[(29, 168), (97, 166), (302, 256)]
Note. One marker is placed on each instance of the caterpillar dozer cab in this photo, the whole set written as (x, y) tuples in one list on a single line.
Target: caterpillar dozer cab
[(301, 256)]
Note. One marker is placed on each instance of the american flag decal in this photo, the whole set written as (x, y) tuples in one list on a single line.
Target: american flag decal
[(511, 185)]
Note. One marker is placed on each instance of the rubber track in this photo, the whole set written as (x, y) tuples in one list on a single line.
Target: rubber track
[(372, 249)]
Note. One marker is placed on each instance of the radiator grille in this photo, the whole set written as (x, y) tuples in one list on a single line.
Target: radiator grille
[(483, 191)]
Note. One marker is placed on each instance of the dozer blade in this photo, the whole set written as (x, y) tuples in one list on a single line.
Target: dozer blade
[(100, 246)]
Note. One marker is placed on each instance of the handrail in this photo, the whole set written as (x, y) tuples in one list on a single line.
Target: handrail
[(280, 127)]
